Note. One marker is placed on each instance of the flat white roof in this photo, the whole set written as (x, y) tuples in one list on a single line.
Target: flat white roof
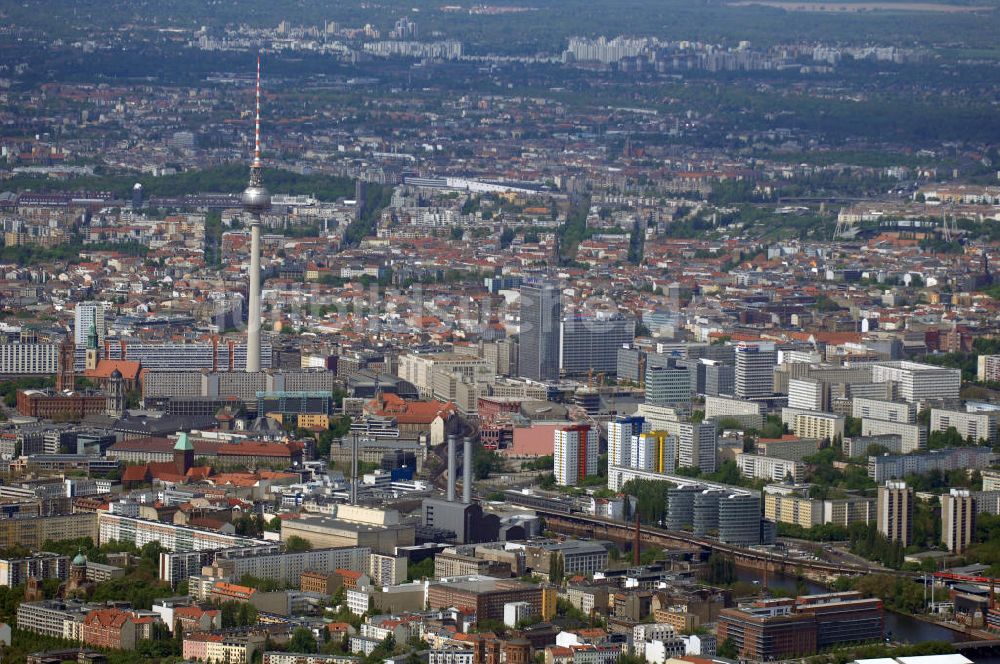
[(953, 658)]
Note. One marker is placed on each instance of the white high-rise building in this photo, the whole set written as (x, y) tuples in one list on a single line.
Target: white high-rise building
[(620, 433), (958, 519), (697, 446), (86, 315), (755, 364), (655, 451), (575, 453), (895, 512), (807, 394)]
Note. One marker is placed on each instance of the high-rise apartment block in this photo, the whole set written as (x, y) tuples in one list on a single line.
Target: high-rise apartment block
[(958, 519), (655, 451), (574, 453), (620, 433), (895, 512), (696, 446), (988, 369), (88, 315)]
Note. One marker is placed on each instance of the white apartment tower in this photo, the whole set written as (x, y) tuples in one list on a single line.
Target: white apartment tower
[(620, 433), (895, 512), (574, 453), (85, 316)]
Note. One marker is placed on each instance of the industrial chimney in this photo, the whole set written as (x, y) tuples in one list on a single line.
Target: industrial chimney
[(467, 471), (452, 471)]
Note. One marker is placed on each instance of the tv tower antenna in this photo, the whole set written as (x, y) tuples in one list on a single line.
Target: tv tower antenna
[(256, 201)]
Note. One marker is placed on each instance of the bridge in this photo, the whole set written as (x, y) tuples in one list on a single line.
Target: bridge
[(585, 525)]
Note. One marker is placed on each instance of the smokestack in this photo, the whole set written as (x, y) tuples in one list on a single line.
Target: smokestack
[(354, 469), (467, 471), (451, 469), (636, 542)]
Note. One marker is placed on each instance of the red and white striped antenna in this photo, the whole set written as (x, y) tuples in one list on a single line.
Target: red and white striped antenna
[(256, 137)]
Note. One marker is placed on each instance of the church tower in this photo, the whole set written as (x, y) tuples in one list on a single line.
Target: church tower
[(66, 378), (183, 454), (114, 405), (90, 363)]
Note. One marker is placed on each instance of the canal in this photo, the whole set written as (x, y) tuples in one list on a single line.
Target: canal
[(898, 627)]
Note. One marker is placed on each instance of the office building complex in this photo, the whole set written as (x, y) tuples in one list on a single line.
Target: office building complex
[(739, 519), (214, 355), (720, 379), (668, 383), (486, 594), (541, 308), (958, 519), (919, 382), (755, 370), (775, 629), (895, 512), (574, 453), (592, 344)]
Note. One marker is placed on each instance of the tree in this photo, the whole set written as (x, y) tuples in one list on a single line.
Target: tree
[(556, 569), (727, 649), (721, 569), (422, 570), (302, 641), (296, 544), (651, 498)]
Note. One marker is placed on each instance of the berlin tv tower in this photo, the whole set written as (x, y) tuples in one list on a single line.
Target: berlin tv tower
[(256, 201)]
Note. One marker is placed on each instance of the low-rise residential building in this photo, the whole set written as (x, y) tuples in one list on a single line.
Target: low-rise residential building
[(110, 628), (757, 466), (749, 414), (792, 448), (791, 504)]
